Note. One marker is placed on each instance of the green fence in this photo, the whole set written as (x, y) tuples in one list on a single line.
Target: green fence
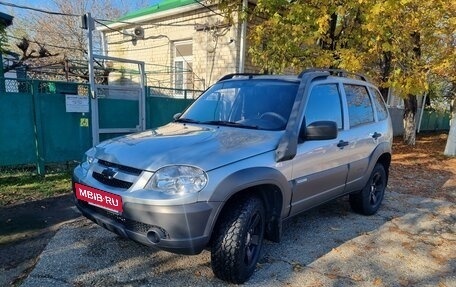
[(430, 122), (433, 121), (17, 120), (35, 127), (161, 107)]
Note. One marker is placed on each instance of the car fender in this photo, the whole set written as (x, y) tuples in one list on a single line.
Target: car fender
[(383, 148), (251, 177)]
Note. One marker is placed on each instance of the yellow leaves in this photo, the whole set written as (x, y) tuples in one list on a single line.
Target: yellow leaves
[(323, 60), (386, 47), (377, 9), (369, 26), (323, 23), (366, 32), (341, 11), (405, 2), (411, 82), (350, 60)]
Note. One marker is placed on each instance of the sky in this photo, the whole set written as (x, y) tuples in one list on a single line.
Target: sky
[(128, 5)]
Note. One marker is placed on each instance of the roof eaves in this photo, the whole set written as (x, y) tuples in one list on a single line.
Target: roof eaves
[(186, 6), (6, 19), (162, 6)]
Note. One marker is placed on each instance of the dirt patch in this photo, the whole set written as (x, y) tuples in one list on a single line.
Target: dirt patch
[(423, 170)]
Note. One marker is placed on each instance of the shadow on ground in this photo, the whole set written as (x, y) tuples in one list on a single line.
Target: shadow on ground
[(329, 246), (25, 230)]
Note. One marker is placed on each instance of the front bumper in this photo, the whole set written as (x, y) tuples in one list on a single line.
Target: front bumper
[(182, 229)]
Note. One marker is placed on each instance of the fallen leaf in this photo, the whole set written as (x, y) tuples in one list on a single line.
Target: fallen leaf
[(378, 281)]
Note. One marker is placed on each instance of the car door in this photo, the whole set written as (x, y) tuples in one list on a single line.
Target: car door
[(364, 132), (320, 166)]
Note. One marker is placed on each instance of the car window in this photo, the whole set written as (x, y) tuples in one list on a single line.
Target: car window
[(324, 105), (259, 103), (359, 105), (382, 112)]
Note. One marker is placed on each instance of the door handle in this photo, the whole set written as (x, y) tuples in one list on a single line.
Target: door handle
[(376, 135), (342, 143)]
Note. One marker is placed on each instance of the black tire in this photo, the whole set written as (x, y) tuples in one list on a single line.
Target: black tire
[(238, 240), (369, 199)]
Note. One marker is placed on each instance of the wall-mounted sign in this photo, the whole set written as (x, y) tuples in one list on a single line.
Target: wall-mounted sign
[(76, 104)]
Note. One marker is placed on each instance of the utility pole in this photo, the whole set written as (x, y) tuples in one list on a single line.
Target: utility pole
[(88, 24)]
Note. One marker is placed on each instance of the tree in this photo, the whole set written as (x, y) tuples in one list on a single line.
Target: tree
[(398, 43), (28, 53), (450, 148), (3, 38), (415, 38), (311, 34), (61, 36)]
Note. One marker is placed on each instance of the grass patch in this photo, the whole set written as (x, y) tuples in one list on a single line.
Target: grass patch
[(24, 186)]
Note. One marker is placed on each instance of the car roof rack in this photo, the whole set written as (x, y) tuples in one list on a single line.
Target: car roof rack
[(335, 72), (230, 76)]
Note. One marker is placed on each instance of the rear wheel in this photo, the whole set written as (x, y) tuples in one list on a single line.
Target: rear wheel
[(238, 240), (369, 199)]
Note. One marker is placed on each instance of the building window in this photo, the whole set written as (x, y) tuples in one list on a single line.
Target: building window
[(183, 74)]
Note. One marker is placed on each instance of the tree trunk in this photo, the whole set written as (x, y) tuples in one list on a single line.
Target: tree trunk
[(450, 148), (410, 108)]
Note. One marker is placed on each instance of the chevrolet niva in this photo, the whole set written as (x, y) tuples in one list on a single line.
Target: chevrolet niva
[(249, 153)]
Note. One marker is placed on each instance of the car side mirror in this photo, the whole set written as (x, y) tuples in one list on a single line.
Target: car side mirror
[(176, 116), (321, 130)]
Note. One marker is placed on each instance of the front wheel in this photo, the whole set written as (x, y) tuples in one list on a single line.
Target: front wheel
[(238, 240), (368, 201)]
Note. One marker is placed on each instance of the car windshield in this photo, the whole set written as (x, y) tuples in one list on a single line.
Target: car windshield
[(250, 103)]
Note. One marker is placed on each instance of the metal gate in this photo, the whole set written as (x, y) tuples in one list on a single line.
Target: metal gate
[(117, 110), (112, 107)]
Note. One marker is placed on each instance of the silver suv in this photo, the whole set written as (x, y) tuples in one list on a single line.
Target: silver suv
[(251, 152)]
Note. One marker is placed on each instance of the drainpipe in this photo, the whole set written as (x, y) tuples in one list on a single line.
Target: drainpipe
[(242, 39)]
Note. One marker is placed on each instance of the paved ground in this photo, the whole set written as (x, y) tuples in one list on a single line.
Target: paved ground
[(25, 230), (410, 242)]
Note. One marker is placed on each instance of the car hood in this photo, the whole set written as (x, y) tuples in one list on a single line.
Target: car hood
[(207, 147)]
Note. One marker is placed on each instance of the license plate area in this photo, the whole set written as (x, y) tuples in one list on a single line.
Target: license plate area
[(99, 198)]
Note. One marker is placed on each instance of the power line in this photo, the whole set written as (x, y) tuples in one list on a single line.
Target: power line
[(99, 22), (38, 10), (112, 29), (209, 8), (138, 49)]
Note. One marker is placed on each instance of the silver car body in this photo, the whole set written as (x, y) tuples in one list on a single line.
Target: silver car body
[(234, 159)]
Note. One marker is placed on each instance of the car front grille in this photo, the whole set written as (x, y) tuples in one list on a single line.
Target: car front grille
[(115, 175), (114, 182), (120, 167)]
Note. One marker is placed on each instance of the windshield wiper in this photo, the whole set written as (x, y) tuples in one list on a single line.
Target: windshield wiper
[(185, 120), (230, 124)]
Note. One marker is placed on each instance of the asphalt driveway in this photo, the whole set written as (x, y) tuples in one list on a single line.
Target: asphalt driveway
[(410, 242)]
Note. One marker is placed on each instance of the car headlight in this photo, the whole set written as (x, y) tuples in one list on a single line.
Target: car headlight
[(178, 179), (87, 161)]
